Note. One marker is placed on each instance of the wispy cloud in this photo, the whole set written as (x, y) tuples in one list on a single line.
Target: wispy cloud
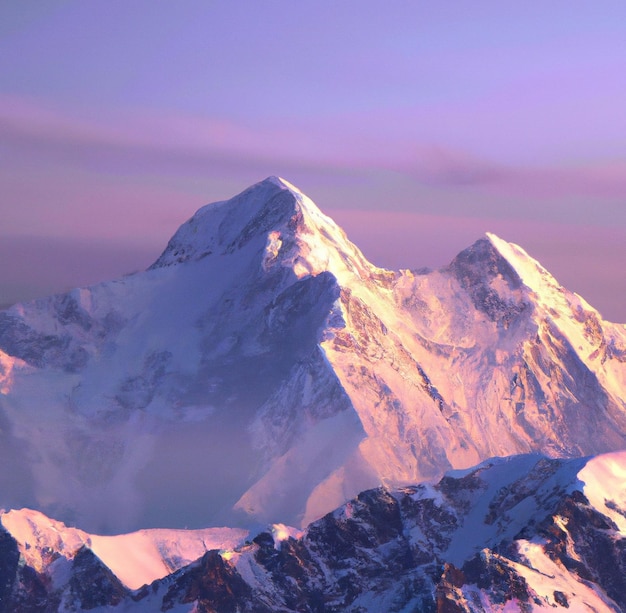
[(135, 177), (187, 144)]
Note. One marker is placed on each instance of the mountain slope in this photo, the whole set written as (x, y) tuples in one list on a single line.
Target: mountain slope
[(524, 533), (263, 371), (495, 358), (48, 546), (517, 534)]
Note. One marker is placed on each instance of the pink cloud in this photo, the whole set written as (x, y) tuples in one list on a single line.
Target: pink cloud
[(606, 180), (186, 143)]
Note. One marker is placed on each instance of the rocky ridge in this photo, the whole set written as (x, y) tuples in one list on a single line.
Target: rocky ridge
[(524, 533)]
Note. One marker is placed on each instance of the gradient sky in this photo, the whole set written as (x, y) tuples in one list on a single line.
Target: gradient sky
[(417, 125)]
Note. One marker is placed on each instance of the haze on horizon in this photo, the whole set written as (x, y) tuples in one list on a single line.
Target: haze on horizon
[(417, 126)]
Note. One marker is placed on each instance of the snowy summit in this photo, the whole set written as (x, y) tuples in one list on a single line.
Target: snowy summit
[(262, 370)]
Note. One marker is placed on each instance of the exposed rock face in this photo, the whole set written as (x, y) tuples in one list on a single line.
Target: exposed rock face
[(517, 533), (92, 584), (211, 585), (263, 357), (525, 533)]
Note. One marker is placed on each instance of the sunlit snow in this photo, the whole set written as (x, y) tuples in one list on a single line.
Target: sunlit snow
[(262, 371)]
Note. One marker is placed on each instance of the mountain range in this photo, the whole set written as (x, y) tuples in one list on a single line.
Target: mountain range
[(263, 372), (523, 533)]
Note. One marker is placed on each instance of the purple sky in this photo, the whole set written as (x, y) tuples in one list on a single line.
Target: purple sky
[(417, 125)]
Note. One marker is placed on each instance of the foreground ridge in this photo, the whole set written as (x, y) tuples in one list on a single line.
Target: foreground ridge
[(262, 371), (524, 533)]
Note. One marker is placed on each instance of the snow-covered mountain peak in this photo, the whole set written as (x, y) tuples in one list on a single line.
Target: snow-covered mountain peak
[(223, 227), (273, 219), (603, 478), (492, 282), (503, 281), (492, 257), (264, 358), (38, 536), (557, 307), (531, 273)]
